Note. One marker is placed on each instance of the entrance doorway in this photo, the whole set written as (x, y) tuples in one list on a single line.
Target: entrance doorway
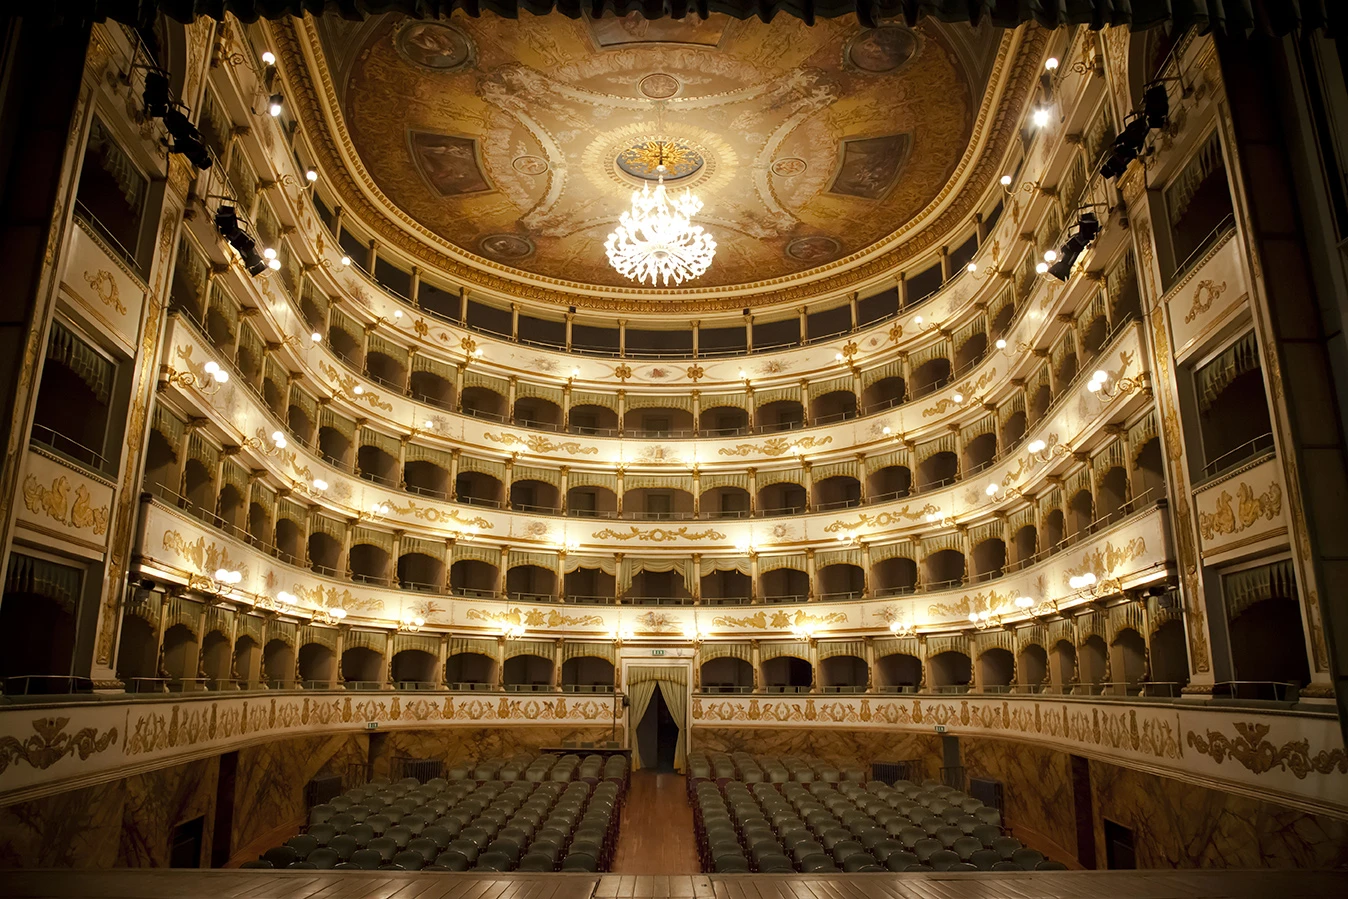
[(657, 735)]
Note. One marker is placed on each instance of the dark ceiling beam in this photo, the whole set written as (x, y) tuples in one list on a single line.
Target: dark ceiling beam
[(1231, 17)]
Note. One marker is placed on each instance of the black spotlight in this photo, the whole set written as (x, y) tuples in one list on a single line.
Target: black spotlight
[(1156, 106), (1125, 149), (1088, 228), (186, 139), (227, 221), (156, 94), (1062, 268)]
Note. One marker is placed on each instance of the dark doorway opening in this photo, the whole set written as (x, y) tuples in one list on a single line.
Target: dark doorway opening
[(224, 810), (1085, 815), (657, 735), (185, 843), (1120, 854)]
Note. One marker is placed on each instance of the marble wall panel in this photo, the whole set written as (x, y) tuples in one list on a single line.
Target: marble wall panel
[(156, 802), (467, 745), (1177, 824), (1037, 791), (831, 744), (270, 778)]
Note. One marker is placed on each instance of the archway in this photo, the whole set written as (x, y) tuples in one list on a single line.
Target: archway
[(951, 669), (899, 672), (318, 666), (996, 669), (1032, 668)]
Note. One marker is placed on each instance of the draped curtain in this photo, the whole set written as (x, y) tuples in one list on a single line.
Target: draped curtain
[(672, 682)]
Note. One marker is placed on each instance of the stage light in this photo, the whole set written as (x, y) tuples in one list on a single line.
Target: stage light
[(1156, 106), (156, 94)]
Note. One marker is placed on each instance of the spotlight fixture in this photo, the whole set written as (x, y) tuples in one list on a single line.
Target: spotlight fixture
[(275, 105), (1156, 106), (1128, 145), (156, 94), (186, 139), (227, 223), (1088, 228)]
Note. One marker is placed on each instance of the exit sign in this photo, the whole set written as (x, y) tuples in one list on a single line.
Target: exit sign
[(657, 652), (372, 725), (940, 728)]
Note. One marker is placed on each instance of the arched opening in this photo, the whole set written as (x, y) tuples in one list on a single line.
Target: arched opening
[(527, 671), (344, 344), (930, 376), (1169, 658), (843, 674), (656, 422), (838, 492), (943, 568), (318, 666), (586, 674), (473, 577), (1068, 369), (658, 504), (362, 667), (996, 669), (899, 673), (721, 586), (290, 543), (137, 651), (971, 351), (476, 488), (483, 402), (979, 453), (1037, 405), (889, 483), (420, 572), (426, 478), (780, 415), (180, 653), (1093, 336), (1092, 664), (883, 394), (1268, 645), (369, 564), (1032, 668), (591, 502), (592, 420), (536, 412), (657, 587), (839, 405), (248, 661), (531, 583), (589, 585), (334, 447), (950, 671), (259, 524), (538, 497), (787, 674), (937, 470), (1023, 545), (1002, 320), (841, 582), (785, 585), (1080, 515), (989, 559), (784, 498), (1063, 666), (199, 486), (1128, 662), (1112, 491), (414, 669), (1053, 531), (300, 424), (724, 502), (433, 390), (278, 664), (1149, 471), (1013, 429), (229, 507), (217, 658), (892, 577), (469, 668), (386, 370), (161, 465), (219, 328), (373, 464), (723, 421), (727, 675)]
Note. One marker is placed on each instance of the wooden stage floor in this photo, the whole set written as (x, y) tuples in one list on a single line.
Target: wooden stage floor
[(258, 884)]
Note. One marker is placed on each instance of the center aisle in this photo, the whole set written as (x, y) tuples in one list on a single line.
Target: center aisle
[(657, 828)]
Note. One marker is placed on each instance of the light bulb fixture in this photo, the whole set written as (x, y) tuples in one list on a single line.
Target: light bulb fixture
[(1050, 256), (991, 490), (278, 438), (971, 267), (656, 239), (428, 425), (1006, 181), (268, 58), (744, 375), (320, 485), (1037, 446), (316, 337), (1040, 117), (358, 390), (339, 614), (1051, 64), (286, 598), (886, 430), (1024, 602), (311, 175), (1082, 581), (275, 105), (274, 265), (1041, 268), (958, 397), (346, 260), (268, 254), (1000, 344), (397, 313)]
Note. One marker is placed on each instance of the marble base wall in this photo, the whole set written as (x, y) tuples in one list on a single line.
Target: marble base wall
[(1037, 790), (827, 743), (466, 745)]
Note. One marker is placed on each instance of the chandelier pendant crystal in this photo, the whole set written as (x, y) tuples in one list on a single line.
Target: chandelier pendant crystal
[(657, 239)]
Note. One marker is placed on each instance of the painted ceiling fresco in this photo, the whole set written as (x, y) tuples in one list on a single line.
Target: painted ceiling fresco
[(521, 141)]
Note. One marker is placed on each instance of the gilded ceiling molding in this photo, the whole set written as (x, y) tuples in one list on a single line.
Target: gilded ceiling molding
[(997, 124)]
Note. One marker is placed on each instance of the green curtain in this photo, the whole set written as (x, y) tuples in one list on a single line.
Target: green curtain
[(672, 682)]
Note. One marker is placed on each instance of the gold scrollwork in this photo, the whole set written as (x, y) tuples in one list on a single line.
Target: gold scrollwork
[(1205, 294), (1225, 521), (1250, 748), (433, 515), (105, 287), (347, 384), (332, 598), (979, 602), (206, 557), (775, 446), (534, 618), (780, 620), (537, 443), (658, 535), (884, 519), (1104, 561), (50, 743), (967, 391)]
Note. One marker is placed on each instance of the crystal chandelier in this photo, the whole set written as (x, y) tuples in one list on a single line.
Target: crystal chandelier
[(657, 239)]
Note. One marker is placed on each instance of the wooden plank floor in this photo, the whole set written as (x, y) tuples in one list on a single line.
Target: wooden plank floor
[(146, 883), (657, 828)]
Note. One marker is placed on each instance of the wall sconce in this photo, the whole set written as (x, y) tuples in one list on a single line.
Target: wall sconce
[(997, 493), (1102, 385), (328, 616), (984, 619), (925, 327), (1093, 585), (512, 631), (312, 488), (376, 512), (207, 383), (411, 623), (1005, 349), (804, 632), (260, 444), (902, 629), (1024, 602)]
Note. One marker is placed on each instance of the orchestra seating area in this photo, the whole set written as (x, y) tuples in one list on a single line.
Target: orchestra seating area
[(782, 815), (527, 813)]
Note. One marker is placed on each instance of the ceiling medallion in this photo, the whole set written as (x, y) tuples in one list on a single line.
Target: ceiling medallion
[(654, 159), (656, 238)]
